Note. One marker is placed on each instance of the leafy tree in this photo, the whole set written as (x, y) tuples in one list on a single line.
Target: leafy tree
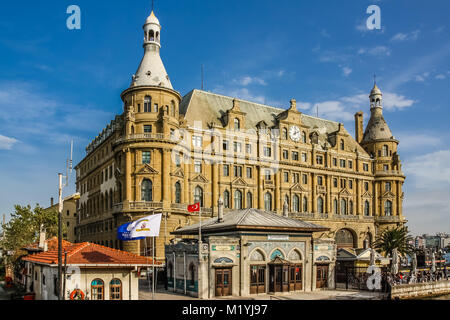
[(24, 226), (396, 238)]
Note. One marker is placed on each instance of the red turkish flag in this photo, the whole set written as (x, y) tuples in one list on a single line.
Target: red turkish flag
[(194, 207)]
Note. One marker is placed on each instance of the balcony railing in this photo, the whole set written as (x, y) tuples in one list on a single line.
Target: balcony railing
[(136, 206), (146, 136), (388, 218)]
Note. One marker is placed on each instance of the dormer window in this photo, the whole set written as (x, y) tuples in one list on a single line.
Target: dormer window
[(285, 134), (237, 124), (303, 136), (342, 144)]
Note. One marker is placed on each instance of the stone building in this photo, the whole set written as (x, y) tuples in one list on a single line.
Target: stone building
[(247, 252), (69, 215), (166, 151)]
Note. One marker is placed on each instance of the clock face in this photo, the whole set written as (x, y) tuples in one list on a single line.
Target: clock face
[(294, 133)]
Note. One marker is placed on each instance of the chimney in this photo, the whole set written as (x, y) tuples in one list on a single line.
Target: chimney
[(51, 202), (285, 209), (220, 210), (359, 126), (42, 244)]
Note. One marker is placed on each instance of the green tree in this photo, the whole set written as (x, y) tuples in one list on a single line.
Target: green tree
[(24, 226), (396, 238)]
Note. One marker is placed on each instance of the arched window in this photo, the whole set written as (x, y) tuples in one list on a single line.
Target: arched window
[(285, 134), (148, 104), (268, 202), (296, 203), (335, 206), (303, 136), (367, 208), (97, 290), (237, 124), (198, 196), (277, 253), (345, 239), (172, 107), (115, 289), (147, 190), (342, 144), (256, 256), (226, 199), (294, 256), (320, 204), (151, 36), (343, 206), (249, 200), (385, 151), (286, 200), (192, 274), (178, 192), (305, 204), (388, 208), (238, 200)]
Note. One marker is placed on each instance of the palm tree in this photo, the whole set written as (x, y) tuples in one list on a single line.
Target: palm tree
[(396, 238)]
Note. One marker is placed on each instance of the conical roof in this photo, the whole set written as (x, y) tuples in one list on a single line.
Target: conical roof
[(152, 19), (377, 129)]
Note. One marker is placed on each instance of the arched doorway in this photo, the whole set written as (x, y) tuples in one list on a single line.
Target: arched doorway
[(345, 238)]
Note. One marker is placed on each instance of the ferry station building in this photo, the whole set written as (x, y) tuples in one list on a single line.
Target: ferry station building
[(248, 252)]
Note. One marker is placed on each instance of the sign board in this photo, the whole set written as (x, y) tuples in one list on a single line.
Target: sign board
[(279, 237), (223, 248)]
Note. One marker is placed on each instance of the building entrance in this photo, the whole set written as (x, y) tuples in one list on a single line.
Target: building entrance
[(322, 276), (223, 282)]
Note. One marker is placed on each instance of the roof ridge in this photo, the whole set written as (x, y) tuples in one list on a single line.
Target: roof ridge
[(126, 253)]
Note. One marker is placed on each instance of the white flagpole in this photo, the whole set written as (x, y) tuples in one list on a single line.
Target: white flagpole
[(200, 234), (153, 272)]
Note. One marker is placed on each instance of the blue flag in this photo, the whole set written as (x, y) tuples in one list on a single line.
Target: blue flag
[(125, 235)]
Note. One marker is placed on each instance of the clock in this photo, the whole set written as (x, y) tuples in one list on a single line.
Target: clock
[(294, 133)]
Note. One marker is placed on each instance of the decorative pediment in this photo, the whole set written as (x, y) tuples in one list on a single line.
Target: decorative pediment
[(388, 195), (146, 169), (297, 188), (345, 254), (200, 179), (367, 194), (239, 182), (345, 193), (178, 173)]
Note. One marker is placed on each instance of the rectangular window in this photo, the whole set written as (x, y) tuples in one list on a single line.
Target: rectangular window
[(177, 160), (335, 162), (342, 163), (295, 177), (319, 159), (388, 186), (365, 167), (156, 107), (147, 129), (248, 148), (285, 154), (385, 167), (237, 171), (146, 157), (304, 157), (267, 152), (237, 147), (226, 170), (350, 164), (197, 141), (295, 156), (320, 180), (225, 145), (343, 183), (198, 167), (335, 182), (249, 173), (350, 184), (268, 175), (286, 176), (305, 179)]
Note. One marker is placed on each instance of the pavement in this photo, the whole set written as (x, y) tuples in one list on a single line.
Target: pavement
[(161, 294)]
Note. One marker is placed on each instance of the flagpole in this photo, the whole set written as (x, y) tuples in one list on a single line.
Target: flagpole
[(153, 272), (200, 234)]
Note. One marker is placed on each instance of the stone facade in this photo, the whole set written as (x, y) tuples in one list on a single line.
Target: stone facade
[(165, 152)]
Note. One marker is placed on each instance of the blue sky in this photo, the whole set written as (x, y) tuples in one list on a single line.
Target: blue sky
[(58, 84)]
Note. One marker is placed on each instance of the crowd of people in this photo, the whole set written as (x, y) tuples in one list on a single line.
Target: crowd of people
[(418, 277)]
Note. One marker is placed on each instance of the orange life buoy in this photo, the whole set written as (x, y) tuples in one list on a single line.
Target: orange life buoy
[(77, 294)]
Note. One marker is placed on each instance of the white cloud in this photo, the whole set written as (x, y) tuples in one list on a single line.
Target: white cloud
[(375, 51), (440, 76), (406, 36), (430, 170), (7, 143), (248, 80), (415, 141), (325, 34), (394, 101), (346, 71), (333, 110)]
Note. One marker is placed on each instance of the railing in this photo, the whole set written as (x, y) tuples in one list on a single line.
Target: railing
[(180, 206), (136, 206), (146, 136), (388, 172), (387, 218)]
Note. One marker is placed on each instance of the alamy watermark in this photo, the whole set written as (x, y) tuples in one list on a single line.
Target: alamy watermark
[(74, 20)]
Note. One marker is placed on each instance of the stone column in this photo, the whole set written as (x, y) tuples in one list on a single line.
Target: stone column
[(277, 191), (215, 185), (358, 210), (260, 189), (128, 185), (375, 200), (313, 193)]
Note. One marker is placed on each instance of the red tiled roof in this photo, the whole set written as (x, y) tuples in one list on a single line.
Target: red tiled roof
[(87, 253), (52, 244)]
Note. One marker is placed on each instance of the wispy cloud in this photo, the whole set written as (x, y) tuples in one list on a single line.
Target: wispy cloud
[(7, 143), (346, 71), (430, 170), (412, 141), (375, 51), (248, 80), (411, 36)]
